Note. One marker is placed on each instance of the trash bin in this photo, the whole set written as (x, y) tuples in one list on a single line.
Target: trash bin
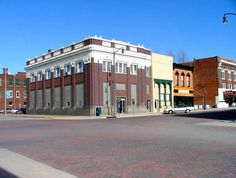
[(98, 111)]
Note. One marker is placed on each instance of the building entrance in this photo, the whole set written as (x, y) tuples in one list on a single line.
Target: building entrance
[(121, 105)]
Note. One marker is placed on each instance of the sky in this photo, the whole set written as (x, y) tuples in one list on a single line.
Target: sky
[(30, 27)]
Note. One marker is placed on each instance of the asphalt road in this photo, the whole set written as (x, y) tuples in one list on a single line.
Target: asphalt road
[(185, 145)]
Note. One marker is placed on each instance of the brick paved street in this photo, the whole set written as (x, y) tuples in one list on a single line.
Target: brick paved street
[(148, 147)]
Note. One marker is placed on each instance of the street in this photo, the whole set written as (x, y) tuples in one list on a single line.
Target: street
[(199, 144)]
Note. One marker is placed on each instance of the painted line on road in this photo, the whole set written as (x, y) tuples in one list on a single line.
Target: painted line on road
[(24, 167)]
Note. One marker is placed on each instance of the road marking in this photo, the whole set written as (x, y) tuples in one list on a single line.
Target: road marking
[(24, 167), (219, 124)]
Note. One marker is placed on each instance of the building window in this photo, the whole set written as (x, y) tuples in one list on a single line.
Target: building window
[(176, 79), (188, 80), (121, 67), (106, 66), (222, 74), (10, 81), (234, 86), (32, 78), (133, 69), (17, 94), (25, 83), (68, 69), (17, 82), (40, 77), (48, 74), (182, 79), (234, 76), (167, 97), (57, 72), (10, 103), (1, 94), (223, 85), (229, 75), (162, 96), (148, 71), (80, 67), (0, 82)]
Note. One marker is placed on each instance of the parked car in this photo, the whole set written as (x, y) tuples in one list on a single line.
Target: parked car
[(178, 108)]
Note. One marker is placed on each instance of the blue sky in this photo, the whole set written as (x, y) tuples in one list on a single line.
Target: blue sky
[(30, 27)]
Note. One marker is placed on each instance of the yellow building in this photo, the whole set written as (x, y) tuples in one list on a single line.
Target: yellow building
[(162, 78)]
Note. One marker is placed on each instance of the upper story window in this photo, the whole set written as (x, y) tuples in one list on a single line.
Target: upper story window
[(57, 72), (17, 82), (229, 75), (32, 78), (25, 82), (148, 71), (106, 66), (68, 69), (80, 67), (182, 79), (48, 74), (121, 67), (188, 80), (234, 76), (176, 79), (222, 74), (223, 85), (133, 69), (40, 76), (0, 82), (10, 81)]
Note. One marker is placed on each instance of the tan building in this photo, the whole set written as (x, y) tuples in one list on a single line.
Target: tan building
[(162, 77)]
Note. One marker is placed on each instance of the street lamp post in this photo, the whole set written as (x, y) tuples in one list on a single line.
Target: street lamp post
[(225, 20), (114, 79)]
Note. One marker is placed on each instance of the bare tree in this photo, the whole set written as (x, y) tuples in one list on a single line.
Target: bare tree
[(171, 53), (182, 56)]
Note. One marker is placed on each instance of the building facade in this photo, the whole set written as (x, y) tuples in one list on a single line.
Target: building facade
[(13, 87), (92, 75), (183, 84), (214, 82), (162, 78)]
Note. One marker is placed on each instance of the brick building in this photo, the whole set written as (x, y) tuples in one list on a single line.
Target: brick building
[(81, 78), (214, 81), (183, 84), (15, 90)]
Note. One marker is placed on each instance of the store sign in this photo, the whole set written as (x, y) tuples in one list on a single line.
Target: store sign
[(184, 91)]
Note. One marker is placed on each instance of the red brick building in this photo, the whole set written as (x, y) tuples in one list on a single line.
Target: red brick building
[(183, 84), (214, 79), (15, 90), (81, 79)]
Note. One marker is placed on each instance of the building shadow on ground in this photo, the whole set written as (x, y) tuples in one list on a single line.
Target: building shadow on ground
[(229, 115), (6, 174)]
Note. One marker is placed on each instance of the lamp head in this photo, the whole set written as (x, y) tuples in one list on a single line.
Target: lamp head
[(225, 21)]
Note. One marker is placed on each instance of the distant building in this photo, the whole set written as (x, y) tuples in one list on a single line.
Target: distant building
[(162, 75), (15, 90), (214, 82), (183, 84), (82, 79)]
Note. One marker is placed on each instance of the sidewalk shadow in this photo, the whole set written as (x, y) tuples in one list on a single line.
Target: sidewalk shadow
[(6, 174), (229, 115)]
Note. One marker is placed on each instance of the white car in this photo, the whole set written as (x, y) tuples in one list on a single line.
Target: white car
[(178, 108)]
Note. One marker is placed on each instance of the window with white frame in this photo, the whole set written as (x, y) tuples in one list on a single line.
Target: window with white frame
[(106, 66), (32, 78), (40, 76), (188, 80), (148, 71), (234, 86), (17, 94), (162, 97), (229, 75), (223, 85), (68, 69), (48, 74), (182, 79), (57, 72), (222, 74), (121, 67), (25, 93), (234, 75), (133, 69), (80, 67), (228, 86)]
